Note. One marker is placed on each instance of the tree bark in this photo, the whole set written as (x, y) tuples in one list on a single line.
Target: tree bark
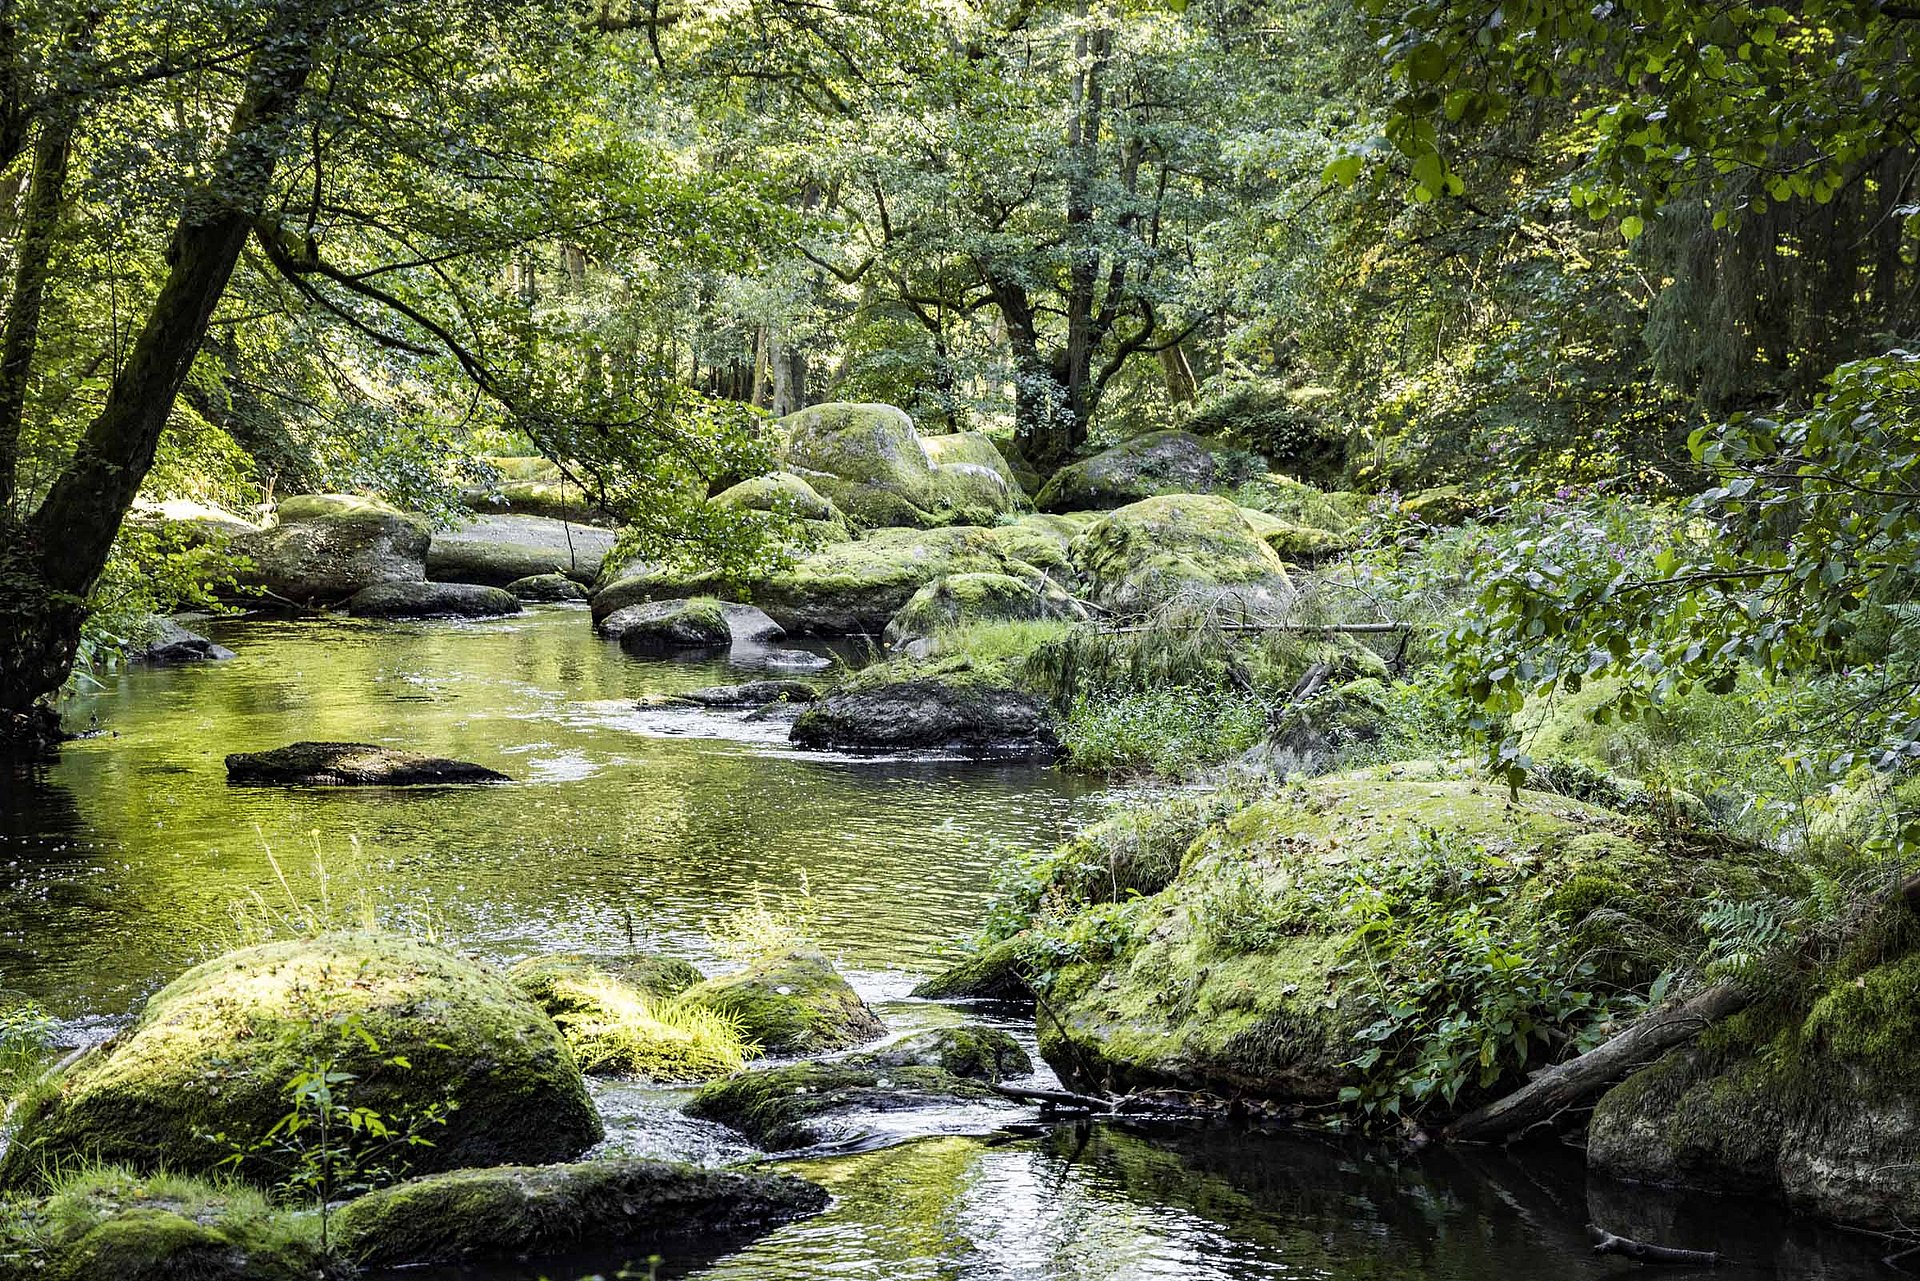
[(46, 196), (50, 561)]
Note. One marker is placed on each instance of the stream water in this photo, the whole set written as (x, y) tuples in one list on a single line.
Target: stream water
[(123, 862)]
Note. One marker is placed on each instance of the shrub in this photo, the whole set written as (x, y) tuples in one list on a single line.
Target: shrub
[(1173, 732), (1283, 426)]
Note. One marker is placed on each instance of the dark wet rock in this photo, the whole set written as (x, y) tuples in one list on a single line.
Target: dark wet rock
[(432, 600), (545, 979), (978, 1053), (698, 622), (791, 1004), (213, 1051), (547, 589), (323, 548), (521, 1211), (1160, 462), (351, 765), (797, 1105), (995, 973), (753, 694), (171, 645), (498, 550), (951, 712)]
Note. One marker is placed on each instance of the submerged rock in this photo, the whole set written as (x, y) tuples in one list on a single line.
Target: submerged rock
[(978, 1053), (1814, 1100), (951, 712), (796, 1105), (547, 589), (351, 765), (213, 1052), (1160, 462), (170, 645), (790, 1004), (497, 550), (521, 1211), (1270, 1002), (958, 599), (323, 548), (432, 600), (752, 694), (1179, 546)]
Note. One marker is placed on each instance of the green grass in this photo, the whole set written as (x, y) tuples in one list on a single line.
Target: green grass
[(36, 1229), (1175, 732), (615, 1028)]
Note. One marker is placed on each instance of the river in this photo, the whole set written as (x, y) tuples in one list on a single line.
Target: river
[(131, 857)]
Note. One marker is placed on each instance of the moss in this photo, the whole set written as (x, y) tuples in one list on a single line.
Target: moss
[(1040, 541), (1295, 542), (782, 493), (517, 1211), (1231, 977), (1301, 505), (1441, 505), (1150, 551), (788, 1107), (995, 973), (699, 622), (947, 707), (790, 1004), (536, 976), (1161, 462), (978, 1053), (213, 1053), (547, 589), (959, 599), (308, 507)]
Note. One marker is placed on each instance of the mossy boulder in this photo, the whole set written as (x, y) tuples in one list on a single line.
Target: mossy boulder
[(1160, 462), (351, 765), (165, 643), (871, 463), (213, 1053), (1179, 546), (1044, 542), (323, 548), (997, 972), (190, 521), (841, 589), (971, 478), (977, 1053), (752, 694), (1295, 542), (497, 550), (1811, 1097), (959, 711), (1240, 977), (1440, 505), (782, 493), (432, 600), (547, 589), (801, 1105), (660, 627), (1298, 503), (520, 1211), (532, 486), (793, 1003), (958, 599), (550, 980)]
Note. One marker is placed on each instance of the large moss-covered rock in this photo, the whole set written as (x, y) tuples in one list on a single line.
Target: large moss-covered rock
[(351, 765), (551, 980), (1239, 977), (930, 711), (323, 548), (997, 972), (874, 466), (1044, 542), (1181, 545), (663, 626), (978, 1053), (1160, 462), (1295, 542), (1812, 1096), (978, 598), (214, 1051), (971, 477), (841, 589), (432, 600), (790, 496), (797, 1105), (497, 550), (547, 589), (795, 1003), (520, 1211), (532, 486)]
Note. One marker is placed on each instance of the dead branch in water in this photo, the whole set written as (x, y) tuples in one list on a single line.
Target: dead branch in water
[(1605, 1242)]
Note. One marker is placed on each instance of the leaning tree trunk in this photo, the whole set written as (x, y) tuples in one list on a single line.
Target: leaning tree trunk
[(50, 560)]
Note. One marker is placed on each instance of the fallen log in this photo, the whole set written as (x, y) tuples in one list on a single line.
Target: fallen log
[(1605, 1242), (1569, 1084), (1056, 1099)]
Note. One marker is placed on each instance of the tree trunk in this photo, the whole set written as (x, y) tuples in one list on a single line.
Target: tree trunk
[(46, 195), (52, 559), (1182, 387)]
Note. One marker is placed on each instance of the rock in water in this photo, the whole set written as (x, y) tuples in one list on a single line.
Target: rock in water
[(752, 694), (173, 645), (796, 1104), (663, 626), (978, 598), (547, 589), (214, 1052), (326, 547), (978, 1053), (790, 1004), (954, 712), (1160, 462), (497, 550), (517, 1211), (351, 765), (432, 600), (543, 978)]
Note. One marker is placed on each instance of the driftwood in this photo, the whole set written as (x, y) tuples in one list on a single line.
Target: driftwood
[(1605, 1242), (1056, 1099), (1568, 1084)]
